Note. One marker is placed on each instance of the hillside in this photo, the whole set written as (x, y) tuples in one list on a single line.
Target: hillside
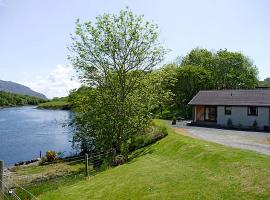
[(8, 86), (176, 167), (11, 99)]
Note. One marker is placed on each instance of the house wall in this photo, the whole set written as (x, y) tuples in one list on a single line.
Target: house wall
[(239, 116)]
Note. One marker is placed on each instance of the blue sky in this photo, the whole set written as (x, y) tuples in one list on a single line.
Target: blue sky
[(34, 34)]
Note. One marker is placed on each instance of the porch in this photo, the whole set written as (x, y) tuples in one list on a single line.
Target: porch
[(205, 115)]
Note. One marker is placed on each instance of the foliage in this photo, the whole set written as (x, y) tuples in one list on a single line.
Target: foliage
[(114, 58), (167, 108), (265, 83), (11, 99), (150, 136), (51, 156), (229, 70), (119, 160), (255, 124), (190, 80), (55, 104), (202, 69), (240, 126), (229, 122)]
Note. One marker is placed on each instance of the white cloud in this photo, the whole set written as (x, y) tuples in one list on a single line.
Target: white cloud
[(57, 84)]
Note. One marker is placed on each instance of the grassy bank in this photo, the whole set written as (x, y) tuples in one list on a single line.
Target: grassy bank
[(178, 167), (54, 105)]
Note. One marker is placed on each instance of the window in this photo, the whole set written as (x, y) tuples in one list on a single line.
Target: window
[(252, 110), (228, 110), (210, 113)]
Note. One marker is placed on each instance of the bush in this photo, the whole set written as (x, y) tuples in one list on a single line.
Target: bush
[(229, 122), (51, 156), (173, 120), (255, 125), (240, 125), (119, 160), (150, 136)]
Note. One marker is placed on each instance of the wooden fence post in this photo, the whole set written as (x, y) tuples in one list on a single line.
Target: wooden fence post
[(1, 178), (86, 165)]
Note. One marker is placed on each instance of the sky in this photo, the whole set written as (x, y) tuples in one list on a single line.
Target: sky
[(34, 34)]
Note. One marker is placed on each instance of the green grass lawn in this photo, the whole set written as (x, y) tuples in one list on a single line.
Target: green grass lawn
[(177, 167)]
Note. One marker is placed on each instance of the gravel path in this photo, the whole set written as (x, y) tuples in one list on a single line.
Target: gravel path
[(256, 141)]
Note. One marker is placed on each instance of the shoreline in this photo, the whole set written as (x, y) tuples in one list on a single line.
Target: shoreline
[(3, 107)]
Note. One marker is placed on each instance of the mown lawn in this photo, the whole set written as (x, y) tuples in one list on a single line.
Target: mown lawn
[(177, 167)]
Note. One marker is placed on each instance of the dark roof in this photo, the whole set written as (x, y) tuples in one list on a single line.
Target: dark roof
[(254, 97)]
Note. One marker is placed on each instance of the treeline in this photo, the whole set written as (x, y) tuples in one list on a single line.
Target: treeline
[(10, 99), (265, 83)]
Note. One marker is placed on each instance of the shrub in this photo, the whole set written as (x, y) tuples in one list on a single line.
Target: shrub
[(119, 160), (173, 120), (150, 136), (255, 125), (51, 156), (229, 122), (240, 125)]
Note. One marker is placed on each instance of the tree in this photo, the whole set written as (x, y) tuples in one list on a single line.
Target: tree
[(229, 70), (113, 56), (265, 83), (190, 80), (234, 71)]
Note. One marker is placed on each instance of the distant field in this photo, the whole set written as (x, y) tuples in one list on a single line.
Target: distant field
[(176, 167), (62, 105)]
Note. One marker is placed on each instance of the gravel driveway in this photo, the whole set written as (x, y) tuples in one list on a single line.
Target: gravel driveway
[(256, 141)]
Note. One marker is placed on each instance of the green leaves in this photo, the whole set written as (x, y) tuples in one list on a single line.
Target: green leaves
[(229, 70), (114, 56)]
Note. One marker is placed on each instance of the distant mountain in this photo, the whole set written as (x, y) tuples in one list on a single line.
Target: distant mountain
[(17, 88)]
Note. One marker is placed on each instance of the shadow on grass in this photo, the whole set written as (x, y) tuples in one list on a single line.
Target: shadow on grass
[(51, 183)]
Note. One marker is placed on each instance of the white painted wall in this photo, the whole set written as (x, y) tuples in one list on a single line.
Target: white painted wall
[(239, 116)]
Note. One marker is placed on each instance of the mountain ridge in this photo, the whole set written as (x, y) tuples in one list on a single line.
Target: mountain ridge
[(16, 88)]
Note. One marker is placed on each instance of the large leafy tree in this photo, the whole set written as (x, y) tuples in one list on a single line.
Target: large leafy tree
[(115, 56), (190, 80), (229, 70)]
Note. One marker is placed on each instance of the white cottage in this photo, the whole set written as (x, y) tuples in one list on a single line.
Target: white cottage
[(234, 108)]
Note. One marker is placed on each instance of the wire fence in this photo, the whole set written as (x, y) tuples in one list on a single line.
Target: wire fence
[(24, 186)]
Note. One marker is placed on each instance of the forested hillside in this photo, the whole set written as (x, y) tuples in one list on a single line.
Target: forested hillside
[(16, 88), (10, 99)]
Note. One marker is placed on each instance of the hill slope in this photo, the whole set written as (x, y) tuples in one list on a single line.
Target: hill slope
[(11, 99), (8, 86), (178, 167)]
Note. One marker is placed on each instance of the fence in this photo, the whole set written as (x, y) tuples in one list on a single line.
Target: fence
[(18, 188)]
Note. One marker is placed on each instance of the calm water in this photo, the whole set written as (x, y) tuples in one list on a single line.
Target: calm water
[(25, 131)]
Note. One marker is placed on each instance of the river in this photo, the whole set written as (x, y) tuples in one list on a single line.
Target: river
[(25, 131)]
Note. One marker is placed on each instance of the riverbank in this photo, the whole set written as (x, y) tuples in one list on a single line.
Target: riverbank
[(55, 105)]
